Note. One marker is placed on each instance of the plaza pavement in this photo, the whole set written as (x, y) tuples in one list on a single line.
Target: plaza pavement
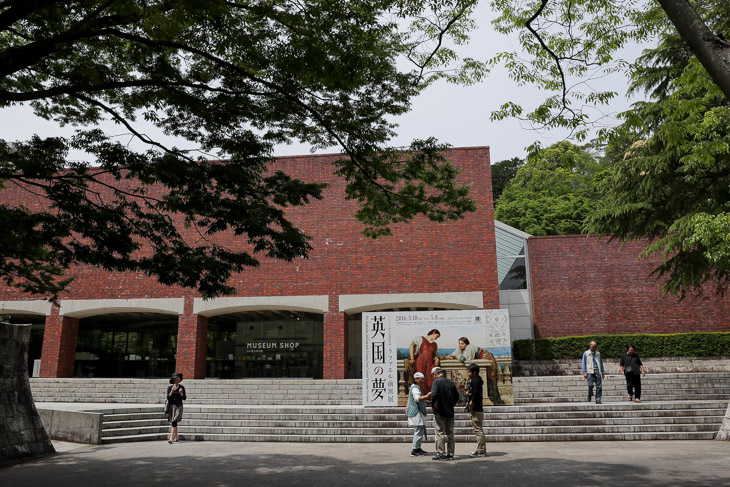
[(190, 463)]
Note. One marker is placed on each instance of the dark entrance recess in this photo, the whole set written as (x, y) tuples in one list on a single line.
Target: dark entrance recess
[(266, 343)]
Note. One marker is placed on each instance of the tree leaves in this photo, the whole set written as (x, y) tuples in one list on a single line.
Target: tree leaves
[(232, 79)]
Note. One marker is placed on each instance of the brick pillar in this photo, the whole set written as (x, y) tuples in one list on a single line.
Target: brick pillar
[(192, 343), (59, 345), (335, 345)]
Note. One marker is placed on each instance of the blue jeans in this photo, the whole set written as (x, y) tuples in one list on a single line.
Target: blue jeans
[(595, 378), (418, 435)]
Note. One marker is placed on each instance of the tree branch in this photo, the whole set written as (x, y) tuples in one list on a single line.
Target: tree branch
[(713, 54)]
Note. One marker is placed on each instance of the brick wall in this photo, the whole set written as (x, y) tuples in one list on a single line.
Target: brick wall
[(420, 257), (583, 286)]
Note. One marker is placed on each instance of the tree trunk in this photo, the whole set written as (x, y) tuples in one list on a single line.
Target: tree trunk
[(712, 51)]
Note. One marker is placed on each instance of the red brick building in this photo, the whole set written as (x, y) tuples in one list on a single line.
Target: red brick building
[(581, 285), (286, 319), (303, 319)]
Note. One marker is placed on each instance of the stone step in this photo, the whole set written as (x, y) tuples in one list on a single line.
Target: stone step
[(510, 423), (563, 399), (605, 410), (397, 439), (406, 432)]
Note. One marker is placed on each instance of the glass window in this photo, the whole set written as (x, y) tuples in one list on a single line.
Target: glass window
[(512, 273), (243, 346)]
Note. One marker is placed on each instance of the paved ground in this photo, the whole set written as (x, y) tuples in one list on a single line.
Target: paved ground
[(640, 463)]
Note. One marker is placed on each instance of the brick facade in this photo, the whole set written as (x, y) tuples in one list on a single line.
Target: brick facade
[(59, 345), (420, 257), (192, 341), (582, 286)]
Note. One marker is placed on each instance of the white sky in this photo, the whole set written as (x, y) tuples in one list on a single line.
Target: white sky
[(454, 114)]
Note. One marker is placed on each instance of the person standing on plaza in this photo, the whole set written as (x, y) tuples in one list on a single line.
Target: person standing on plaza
[(417, 413), (444, 396), (175, 397), (475, 393), (592, 367), (633, 369)]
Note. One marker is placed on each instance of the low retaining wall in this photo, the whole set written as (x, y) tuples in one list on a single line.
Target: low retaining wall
[(73, 426), (652, 365)]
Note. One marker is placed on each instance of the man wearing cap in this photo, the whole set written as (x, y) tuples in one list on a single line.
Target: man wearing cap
[(417, 412), (444, 397)]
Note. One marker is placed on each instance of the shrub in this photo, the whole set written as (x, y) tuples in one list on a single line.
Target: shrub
[(613, 346)]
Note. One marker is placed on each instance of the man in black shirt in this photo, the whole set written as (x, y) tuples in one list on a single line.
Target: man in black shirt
[(444, 397), (475, 393)]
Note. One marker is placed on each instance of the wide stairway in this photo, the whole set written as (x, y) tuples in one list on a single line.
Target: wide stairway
[(675, 406)]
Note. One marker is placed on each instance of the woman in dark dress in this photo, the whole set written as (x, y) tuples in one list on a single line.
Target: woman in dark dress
[(175, 397), (631, 367)]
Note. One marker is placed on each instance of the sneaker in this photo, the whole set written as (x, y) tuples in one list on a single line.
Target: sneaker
[(476, 454), (631, 399), (414, 453), (449, 458), (439, 457), (638, 400), (422, 452), (598, 402)]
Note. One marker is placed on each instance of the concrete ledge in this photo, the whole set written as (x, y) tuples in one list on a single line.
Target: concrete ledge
[(34, 307), (358, 303), (82, 308), (219, 306), (73, 426), (653, 365)]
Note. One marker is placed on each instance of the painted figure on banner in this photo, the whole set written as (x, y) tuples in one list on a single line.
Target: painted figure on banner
[(466, 352), (422, 357)]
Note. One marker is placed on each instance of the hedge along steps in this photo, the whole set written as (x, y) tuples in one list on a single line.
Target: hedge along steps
[(710, 344)]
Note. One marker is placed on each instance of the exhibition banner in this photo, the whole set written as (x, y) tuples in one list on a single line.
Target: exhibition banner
[(398, 344)]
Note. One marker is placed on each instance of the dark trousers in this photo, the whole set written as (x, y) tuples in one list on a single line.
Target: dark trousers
[(595, 379), (633, 384)]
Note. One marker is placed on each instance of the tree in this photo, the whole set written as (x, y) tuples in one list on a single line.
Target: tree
[(569, 44), (669, 181), (668, 178), (232, 79), (552, 193), (502, 173)]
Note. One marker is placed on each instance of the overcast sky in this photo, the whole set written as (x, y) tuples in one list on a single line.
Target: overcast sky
[(454, 114)]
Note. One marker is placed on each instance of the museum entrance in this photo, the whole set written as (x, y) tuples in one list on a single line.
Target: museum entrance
[(35, 341), (265, 344), (126, 345)]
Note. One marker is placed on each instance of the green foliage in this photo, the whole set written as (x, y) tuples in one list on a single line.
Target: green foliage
[(613, 346), (232, 79), (670, 171), (502, 173), (565, 44), (552, 193)]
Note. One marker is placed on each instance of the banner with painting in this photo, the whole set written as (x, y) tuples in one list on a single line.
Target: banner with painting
[(398, 344)]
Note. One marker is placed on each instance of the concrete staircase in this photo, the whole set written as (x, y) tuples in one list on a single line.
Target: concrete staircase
[(676, 406), (244, 392), (656, 387), (574, 422)]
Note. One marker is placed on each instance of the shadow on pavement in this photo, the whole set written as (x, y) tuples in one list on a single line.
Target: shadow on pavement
[(190, 465)]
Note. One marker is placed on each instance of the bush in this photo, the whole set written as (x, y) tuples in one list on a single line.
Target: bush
[(613, 346)]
